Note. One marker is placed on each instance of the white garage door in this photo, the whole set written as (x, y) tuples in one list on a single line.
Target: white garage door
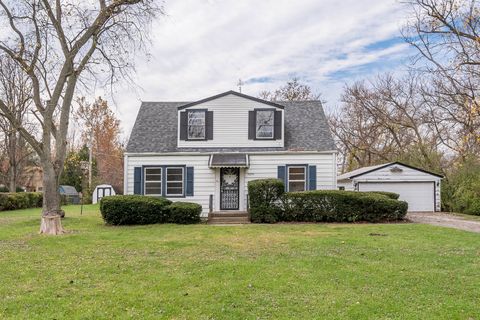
[(419, 195)]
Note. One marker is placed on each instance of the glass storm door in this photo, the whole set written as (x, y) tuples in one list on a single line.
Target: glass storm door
[(229, 188)]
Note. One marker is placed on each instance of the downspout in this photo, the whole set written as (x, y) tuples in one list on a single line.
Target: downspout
[(125, 170)]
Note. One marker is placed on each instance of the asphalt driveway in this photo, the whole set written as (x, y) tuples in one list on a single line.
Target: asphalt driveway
[(445, 220)]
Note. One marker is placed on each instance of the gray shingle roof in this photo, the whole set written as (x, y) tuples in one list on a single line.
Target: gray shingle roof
[(359, 171), (155, 129)]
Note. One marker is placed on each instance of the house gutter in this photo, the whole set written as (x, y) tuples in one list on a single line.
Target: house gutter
[(153, 154)]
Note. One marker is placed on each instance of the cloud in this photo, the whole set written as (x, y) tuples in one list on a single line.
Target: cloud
[(203, 48)]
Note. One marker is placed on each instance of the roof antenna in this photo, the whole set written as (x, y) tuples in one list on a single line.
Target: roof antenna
[(240, 84)]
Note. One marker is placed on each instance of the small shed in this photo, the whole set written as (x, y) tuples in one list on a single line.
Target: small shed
[(102, 190), (69, 193), (418, 187)]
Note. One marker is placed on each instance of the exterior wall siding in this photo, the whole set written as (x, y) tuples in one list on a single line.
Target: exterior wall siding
[(348, 185), (230, 124), (207, 180), (204, 178), (263, 166)]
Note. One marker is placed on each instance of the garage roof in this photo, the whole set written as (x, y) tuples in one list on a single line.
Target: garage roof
[(365, 170)]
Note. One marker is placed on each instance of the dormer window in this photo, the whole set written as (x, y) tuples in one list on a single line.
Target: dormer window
[(196, 125), (264, 124)]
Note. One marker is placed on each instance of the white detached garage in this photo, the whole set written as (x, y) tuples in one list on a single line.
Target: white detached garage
[(418, 187)]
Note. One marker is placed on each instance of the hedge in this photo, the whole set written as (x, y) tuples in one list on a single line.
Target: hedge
[(269, 204), (20, 200), (340, 206), (136, 209), (184, 212), (391, 195), (264, 196), (5, 189)]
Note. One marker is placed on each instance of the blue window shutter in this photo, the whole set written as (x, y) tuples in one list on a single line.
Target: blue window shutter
[(189, 184), (312, 177), (281, 175), (137, 180)]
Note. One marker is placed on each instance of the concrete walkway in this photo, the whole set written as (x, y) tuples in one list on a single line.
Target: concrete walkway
[(445, 220)]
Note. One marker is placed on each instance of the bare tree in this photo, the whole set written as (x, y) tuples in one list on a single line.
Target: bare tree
[(383, 120), (446, 34), (60, 45), (16, 93), (293, 90)]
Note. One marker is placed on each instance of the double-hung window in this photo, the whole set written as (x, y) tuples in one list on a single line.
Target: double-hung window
[(196, 124), (264, 124), (297, 178), (164, 181), (174, 181), (153, 181)]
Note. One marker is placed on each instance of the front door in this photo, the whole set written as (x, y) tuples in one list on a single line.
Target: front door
[(229, 188)]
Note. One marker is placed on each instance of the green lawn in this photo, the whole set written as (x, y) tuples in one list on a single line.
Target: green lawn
[(303, 271)]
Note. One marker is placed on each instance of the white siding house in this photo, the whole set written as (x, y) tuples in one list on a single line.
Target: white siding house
[(207, 151), (420, 188)]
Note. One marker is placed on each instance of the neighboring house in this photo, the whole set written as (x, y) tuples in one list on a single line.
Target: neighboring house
[(207, 151), (420, 188), (33, 179)]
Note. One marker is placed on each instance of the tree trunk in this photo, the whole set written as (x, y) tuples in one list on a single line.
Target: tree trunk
[(51, 212), (12, 157), (12, 181)]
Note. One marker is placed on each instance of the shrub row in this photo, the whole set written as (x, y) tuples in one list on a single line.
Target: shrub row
[(264, 198), (340, 206), (269, 204), (20, 200), (135, 209), (391, 195)]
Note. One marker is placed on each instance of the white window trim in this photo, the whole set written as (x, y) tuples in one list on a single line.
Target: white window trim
[(273, 126), (204, 125), (183, 182), (304, 175), (145, 182)]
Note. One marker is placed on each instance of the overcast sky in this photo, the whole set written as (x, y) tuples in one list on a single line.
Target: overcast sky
[(201, 48)]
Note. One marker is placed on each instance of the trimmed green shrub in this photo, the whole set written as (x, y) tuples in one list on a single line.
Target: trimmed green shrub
[(340, 206), (184, 212), (269, 204), (391, 195), (264, 196), (20, 200), (134, 209)]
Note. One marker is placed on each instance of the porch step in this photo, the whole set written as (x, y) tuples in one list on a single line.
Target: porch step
[(228, 218), (228, 214)]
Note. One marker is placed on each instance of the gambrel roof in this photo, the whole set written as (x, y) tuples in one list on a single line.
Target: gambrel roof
[(155, 129)]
